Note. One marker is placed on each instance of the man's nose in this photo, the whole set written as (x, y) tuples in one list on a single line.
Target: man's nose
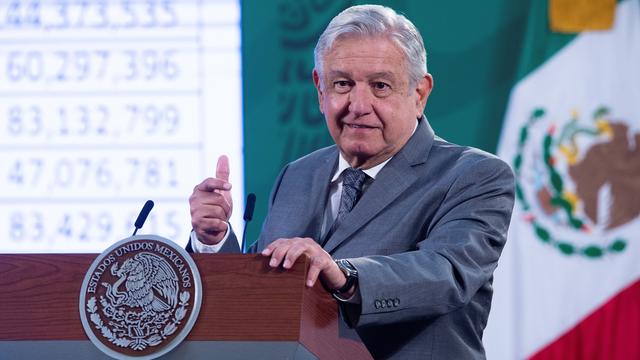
[(360, 100)]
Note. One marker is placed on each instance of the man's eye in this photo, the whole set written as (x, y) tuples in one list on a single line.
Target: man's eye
[(342, 86), (381, 86)]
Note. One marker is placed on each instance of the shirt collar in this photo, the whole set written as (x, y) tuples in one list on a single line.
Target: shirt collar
[(371, 172)]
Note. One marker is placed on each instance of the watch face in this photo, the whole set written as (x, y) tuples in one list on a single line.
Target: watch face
[(347, 268)]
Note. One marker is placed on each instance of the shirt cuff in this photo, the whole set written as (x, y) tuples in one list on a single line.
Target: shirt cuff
[(199, 247)]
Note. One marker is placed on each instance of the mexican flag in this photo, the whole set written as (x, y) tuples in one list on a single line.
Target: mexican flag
[(568, 283)]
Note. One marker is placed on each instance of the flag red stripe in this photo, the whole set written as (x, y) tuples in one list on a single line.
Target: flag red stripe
[(611, 332)]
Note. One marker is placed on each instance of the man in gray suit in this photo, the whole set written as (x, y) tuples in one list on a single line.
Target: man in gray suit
[(402, 227)]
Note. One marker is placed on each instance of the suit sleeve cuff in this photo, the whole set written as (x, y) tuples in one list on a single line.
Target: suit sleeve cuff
[(199, 247)]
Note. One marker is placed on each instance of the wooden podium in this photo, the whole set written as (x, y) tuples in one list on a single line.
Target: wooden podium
[(249, 311)]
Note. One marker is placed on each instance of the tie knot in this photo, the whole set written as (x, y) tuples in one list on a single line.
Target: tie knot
[(354, 178)]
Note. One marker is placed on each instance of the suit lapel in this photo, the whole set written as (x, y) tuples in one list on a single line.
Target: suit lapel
[(319, 192), (392, 180)]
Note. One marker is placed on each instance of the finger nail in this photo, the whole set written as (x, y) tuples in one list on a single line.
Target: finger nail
[(287, 264), (226, 186), (273, 262), (309, 283)]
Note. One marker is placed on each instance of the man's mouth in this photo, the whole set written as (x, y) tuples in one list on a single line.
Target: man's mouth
[(358, 126)]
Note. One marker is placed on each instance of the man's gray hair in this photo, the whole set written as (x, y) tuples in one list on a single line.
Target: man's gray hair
[(372, 21)]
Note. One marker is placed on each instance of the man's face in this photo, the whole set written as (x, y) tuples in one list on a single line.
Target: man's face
[(366, 99)]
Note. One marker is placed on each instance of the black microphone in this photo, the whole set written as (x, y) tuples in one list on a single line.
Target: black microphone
[(142, 217), (248, 215)]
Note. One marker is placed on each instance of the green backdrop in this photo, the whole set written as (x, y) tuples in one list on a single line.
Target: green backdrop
[(473, 48)]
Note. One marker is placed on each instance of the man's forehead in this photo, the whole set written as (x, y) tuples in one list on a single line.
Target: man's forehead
[(378, 54), (370, 46)]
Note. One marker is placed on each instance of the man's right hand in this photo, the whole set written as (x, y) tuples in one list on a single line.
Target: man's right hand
[(211, 205)]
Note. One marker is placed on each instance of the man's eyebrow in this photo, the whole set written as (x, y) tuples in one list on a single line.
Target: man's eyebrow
[(377, 75), (382, 75), (339, 73)]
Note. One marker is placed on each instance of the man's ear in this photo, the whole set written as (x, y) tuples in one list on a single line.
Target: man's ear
[(423, 89), (318, 84)]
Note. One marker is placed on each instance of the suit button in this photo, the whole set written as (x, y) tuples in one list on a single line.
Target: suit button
[(389, 303), (396, 302), (383, 304), (377, 304)]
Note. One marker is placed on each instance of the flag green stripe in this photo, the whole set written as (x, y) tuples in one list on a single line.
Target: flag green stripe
[(540, 44)]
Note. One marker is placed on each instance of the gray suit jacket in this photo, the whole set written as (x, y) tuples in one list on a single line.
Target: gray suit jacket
[(425, 237)]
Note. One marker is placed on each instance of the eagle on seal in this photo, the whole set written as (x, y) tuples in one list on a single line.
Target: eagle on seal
[(150, 282)]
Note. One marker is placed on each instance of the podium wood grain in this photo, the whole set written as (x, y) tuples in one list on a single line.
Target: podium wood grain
[(243, 300)]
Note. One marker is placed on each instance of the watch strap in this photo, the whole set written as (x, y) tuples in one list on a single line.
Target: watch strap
[(350, 273)]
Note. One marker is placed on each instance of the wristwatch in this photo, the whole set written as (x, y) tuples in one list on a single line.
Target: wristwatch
[(349, 272)]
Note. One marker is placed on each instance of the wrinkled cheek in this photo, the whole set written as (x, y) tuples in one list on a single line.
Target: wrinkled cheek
[(334, 128), (336, 107)]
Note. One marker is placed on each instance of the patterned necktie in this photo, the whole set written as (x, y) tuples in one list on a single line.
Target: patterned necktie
[(352, 181)]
